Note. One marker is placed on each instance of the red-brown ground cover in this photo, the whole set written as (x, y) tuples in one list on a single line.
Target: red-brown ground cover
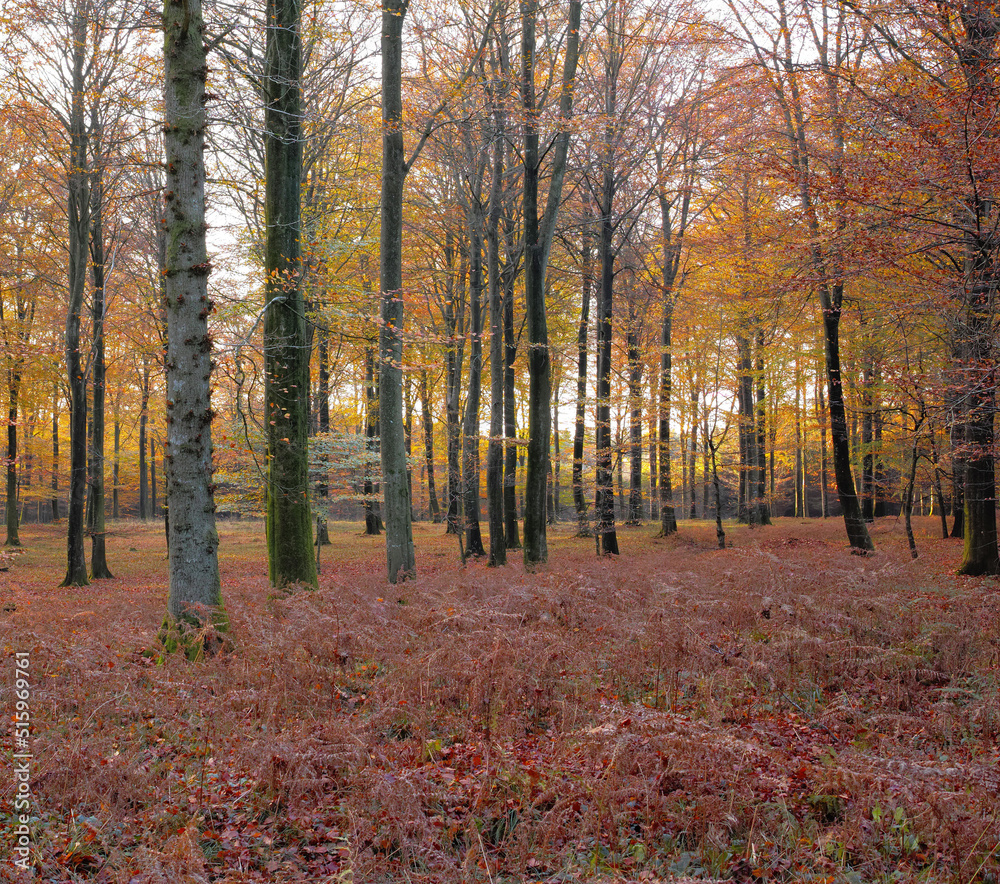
[(776, 711)]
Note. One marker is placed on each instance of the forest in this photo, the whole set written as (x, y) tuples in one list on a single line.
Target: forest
[(549, 440)]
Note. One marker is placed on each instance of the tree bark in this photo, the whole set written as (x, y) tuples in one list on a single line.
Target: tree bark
[(579, 434), (634, 516), (78, 195), (13, 389), (291, 555), (373, 516), (195, 590), (428, 424), (604, 503), (470, 427), (400, 556), (98, 550), (538, 234), (511, 538)]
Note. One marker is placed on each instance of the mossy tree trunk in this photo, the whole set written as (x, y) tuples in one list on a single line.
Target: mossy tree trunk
[(291, 555)]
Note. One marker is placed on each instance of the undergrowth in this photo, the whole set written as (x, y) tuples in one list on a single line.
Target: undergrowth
[(776, 711)]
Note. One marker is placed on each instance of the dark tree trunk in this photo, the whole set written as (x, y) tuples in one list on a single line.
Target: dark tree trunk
[(831, 299), (152, 476), (654, 499), (373, 515), (470, 428), (538, 235), (98, 550), (55, 452), (494, 450), (693, 452), (13, 389), (761, 497), (144, 509), (604, 503), (455, 329), (291, 555), (78, 194), (634, 516), (821, 420), (428, 423), (116, 469), (579, 433), (510, 427)]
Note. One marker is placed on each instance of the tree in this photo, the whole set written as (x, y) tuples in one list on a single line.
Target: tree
[(538, 234), (291, 558), (195, 587)]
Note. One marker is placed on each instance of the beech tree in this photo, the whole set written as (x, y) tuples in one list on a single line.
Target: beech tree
[(538, 234), (195, 587)]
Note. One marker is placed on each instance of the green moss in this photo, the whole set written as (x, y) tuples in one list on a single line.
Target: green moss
[(195, 638)]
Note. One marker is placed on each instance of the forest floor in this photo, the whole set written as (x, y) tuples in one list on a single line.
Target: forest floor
[(777, 711)]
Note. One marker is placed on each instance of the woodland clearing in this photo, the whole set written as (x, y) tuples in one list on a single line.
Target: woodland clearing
[(779, 710)]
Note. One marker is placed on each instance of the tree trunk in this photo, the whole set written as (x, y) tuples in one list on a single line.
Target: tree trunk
[(634, 516), (511, 538), (152, 476), (693, 451), (195, 591), (144, 510), (98, 551), (554, 509), (13, 389), (604, 503), (78, 195), (579, 433), (400, 556), (831, 299), (821, 420), (373, 516), (454, 319), (470, 428), (291, 555), (760, 500), (428, 423), (55, 452), (116, 468), (868, 438), (654, 498), (538, 235)]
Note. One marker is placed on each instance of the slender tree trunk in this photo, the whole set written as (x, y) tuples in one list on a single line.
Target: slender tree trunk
[(510, 426), (98, 550), (720, 533), (13, 389), (538, 235), (693, 452), (857, 533), (760, 497), (579, 433), (868, 439), (654, 498), (195, 590), (554, 510), (634, 516), (144, 509), (604, 504), (494, 450), (55, 452), (291, 555), (116, 468), (152, 476), (373, 516), (470, 428), (821, 420), (799, 489), (78, 194), (428, 423), (454, 357)]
